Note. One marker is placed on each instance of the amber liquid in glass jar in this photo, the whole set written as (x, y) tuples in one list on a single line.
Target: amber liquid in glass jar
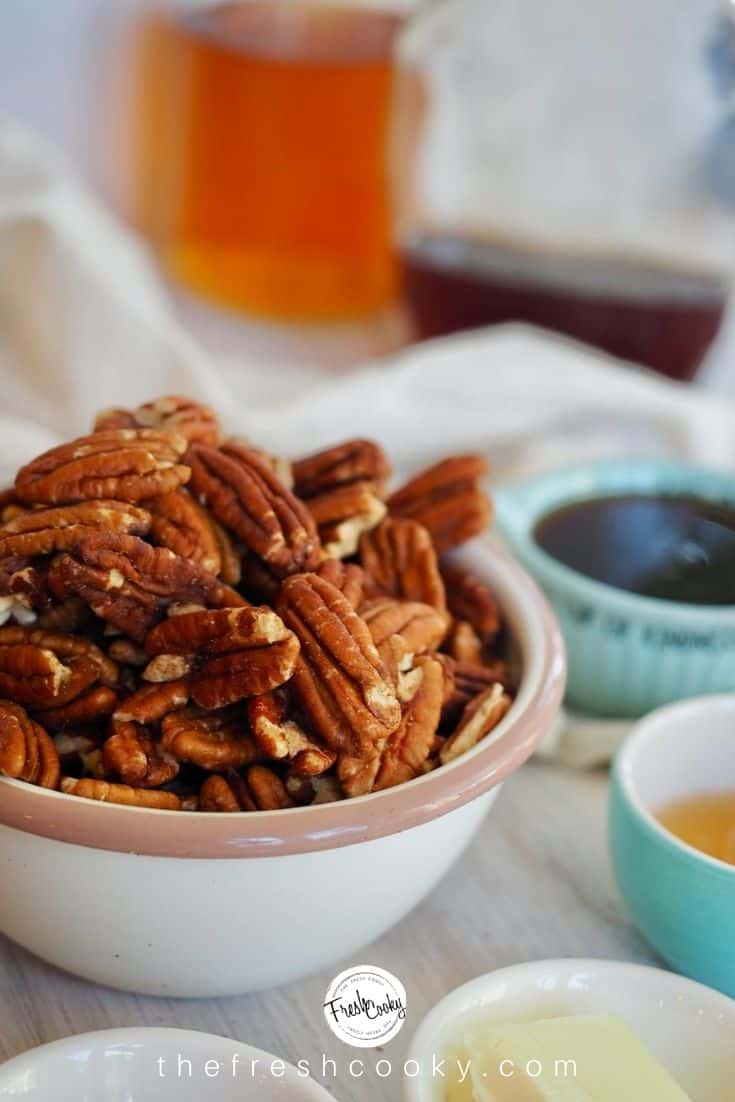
[(258, 153), (663, 319)]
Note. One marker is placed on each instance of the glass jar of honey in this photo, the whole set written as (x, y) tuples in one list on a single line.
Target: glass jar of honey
[(561, 164), (255, 151)]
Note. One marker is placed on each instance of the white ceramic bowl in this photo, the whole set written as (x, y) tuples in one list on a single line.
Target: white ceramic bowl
[(688, 1027), (123, 1065), (193, 904)]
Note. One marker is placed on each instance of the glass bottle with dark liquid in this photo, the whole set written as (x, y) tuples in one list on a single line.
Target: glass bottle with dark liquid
[(662, 319), (557, 165)]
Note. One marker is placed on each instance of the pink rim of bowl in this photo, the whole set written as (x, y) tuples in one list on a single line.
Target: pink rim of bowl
[(157, 833)]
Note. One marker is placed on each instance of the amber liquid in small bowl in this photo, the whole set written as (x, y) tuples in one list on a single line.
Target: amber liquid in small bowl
[(705, 821)]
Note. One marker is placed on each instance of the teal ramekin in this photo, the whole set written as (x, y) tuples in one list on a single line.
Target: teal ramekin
[(627, 654), (682, 900)]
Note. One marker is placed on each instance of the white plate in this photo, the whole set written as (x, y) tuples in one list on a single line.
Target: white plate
[(690, 1028), (122, 1065)]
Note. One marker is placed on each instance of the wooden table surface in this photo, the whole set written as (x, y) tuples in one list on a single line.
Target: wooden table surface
[(535, 883)]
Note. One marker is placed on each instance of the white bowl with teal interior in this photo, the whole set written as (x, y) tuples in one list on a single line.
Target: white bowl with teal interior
[(627, 653)]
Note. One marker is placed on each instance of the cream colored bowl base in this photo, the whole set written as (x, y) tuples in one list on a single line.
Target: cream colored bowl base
[(220, 927)]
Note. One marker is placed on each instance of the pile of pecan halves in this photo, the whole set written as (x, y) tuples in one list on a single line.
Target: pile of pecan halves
[(189, 623)]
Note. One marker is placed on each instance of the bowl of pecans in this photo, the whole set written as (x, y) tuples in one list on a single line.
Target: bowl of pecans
[(236, 689)]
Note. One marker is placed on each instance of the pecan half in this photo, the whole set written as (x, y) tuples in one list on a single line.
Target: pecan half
[(46, 670), (480, 716), (324, 789), (132, 755), (420, 627), (89, 788), (469, 680), (357, 773), (151, 703), (226, 794), (281, 738), (125, 465), (230, 570), (236, 653), (463, 643), (281, 467), (409, 747), (347, 577), (259, 790), (267, 789), (70, 616), (197, 423), (23, 590), (169, 668), (27, 752), (342, 515), (400, 561), (470, 599), (341, 465), (65, 646), (468, 675), (131, 584), (185, 527), (340, 680), (450, 685), (127, 653), (447, 499), (245, 495), (92, 706), (211, 740), (42, 531)]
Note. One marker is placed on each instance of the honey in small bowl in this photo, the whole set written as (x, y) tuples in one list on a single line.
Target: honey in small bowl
[(705, 821)]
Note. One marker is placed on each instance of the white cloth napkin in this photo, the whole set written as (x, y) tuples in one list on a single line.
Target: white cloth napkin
[(85, 323)]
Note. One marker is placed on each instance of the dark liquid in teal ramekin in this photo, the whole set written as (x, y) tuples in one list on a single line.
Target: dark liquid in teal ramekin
[(677, 548)]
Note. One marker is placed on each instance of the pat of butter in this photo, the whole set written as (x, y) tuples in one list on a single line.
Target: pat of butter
[(581, 1059)]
